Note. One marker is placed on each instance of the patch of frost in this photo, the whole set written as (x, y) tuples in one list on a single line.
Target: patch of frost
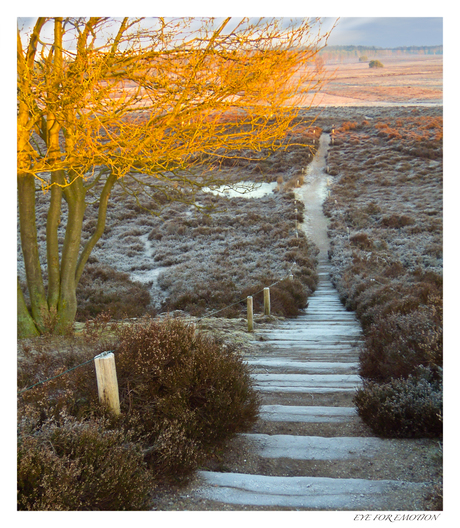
[(244, 190)]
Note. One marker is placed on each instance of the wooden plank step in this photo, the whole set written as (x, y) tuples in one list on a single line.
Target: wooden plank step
[(316, 447), (306, 414), (304, 492), (306, 383), (310, 366)]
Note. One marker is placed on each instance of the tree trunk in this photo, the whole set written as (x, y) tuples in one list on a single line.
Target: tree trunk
[(29, 244), (67, 305), (52, 245), (100, 226), (26, 325)]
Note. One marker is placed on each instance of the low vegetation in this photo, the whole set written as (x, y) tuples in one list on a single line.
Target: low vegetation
[(403, 408), (182, 395), (386, 251), (157, 256)]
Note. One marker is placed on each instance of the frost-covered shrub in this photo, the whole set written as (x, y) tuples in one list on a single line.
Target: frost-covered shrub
[(74, 393), (75, 465), (397, 221), (389, 191), (103, 289), (361, 240), (398, 343), (250, 241), (403, 408), (287, 297), (182, 391)]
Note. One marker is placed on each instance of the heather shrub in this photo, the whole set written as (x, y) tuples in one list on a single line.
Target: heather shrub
[(403, 408), (389, 269), (397, 221), (182, 394), (103, 289), (246, 241), (69, 390), (348, 125), (74, 465), (398, 343), (361, 240), (185, 392), (287, 297)]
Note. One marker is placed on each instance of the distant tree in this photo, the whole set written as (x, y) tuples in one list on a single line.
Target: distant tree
[(319, 64), (375, 64), (363, 58), (141, 102)]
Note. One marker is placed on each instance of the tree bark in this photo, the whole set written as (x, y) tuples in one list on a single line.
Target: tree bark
[(26, 325), (67, 305), (100, 226), (52, 245), (29, 244)]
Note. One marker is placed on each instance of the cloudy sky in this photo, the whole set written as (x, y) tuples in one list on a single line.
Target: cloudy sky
[(387, 31), (371, 31)]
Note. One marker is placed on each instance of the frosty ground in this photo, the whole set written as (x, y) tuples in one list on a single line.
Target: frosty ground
[(385, 205)]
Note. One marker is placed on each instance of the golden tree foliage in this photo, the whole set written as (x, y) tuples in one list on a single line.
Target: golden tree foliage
[(100, 99)]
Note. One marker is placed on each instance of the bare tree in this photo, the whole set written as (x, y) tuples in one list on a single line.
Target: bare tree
[(155, 102)]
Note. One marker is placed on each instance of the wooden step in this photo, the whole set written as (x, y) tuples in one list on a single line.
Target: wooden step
[(315, 493)]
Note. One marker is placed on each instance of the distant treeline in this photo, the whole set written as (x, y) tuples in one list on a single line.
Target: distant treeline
[(350, 52)]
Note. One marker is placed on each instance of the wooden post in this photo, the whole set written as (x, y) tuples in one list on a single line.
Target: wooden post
[(107, 383), (266, 301), (250, 314), (291, 276)]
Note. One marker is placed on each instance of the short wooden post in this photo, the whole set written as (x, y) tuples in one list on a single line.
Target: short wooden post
[(107, 383), (266, 301), (250, 314)]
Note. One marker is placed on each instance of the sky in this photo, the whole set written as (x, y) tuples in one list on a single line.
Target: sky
[(386, 31), (370, 31)]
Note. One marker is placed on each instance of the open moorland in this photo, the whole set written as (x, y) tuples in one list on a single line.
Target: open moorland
[(385, 168), (405, 79)]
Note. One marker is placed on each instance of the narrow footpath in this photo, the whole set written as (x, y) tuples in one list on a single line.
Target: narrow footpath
[(310, 450)]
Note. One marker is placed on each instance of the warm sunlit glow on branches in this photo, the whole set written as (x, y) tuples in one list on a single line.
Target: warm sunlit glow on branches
[(153, 105), (158, 95)]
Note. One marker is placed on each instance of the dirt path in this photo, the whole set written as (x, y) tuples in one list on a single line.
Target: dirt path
[(309, 450), (313, 194)]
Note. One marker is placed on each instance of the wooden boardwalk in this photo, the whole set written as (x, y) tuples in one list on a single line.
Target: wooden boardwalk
[(322, 456), (306, 370)]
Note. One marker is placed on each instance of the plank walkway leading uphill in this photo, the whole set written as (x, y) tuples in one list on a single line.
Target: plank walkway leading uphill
[(306, 370)]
